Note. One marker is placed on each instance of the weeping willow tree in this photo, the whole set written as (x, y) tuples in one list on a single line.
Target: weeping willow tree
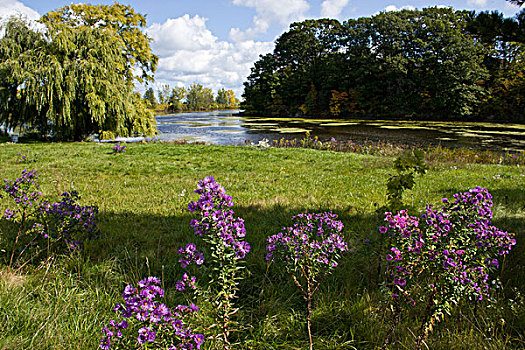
[(75, 79)]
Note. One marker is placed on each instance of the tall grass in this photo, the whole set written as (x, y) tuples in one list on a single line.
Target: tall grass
[(143, 195)]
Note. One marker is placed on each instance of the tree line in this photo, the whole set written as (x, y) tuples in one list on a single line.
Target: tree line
[(194, 98), (435, 63)]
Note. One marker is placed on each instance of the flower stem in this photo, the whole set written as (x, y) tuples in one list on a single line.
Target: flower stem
[(18, 234)]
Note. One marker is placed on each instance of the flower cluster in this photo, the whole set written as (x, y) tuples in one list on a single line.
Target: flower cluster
[(187, 282), (314, 240), (449, 252), (22, 158), (309, 251), (25, 190), (216, 220), (212, 195), (189, 254), (63, 225), (222, 236), (148, 323), (118, 148), (68, 221)]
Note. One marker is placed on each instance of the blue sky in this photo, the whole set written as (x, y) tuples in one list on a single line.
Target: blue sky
[(215, 42)]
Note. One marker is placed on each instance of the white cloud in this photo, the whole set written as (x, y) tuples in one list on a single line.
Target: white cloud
[(186, 33), (332, 8), (510, 10), (268, 12), (390, 8), (189, 52), (478, 3), (16, 8)]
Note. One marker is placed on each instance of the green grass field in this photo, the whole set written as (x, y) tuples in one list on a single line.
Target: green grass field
[(143, 196)]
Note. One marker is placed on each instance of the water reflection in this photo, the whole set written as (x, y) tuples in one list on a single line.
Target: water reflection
[(228, 128)]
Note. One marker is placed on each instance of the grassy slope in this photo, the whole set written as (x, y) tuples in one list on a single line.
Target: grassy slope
[(143, 196)]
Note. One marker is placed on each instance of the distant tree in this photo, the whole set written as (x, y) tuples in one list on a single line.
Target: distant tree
[(344, 103), (221, 97), (199, 97), (504, 43), (428, 65), (231, 100), (76, 78), (164, 95), (260, 89), (177, 97), (149, 96), (226, 99), (399, 64), (207, 99)]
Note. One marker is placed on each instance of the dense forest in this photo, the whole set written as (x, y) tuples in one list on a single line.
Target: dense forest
[(435, 63)]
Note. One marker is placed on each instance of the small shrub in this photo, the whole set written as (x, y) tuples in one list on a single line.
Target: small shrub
[(406, 166)]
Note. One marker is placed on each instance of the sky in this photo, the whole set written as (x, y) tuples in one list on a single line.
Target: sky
[(216, 42)]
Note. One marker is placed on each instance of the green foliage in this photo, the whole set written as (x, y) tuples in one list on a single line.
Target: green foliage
[(194, 98), (435, 63), (76, 79), (226, 99), (406, 166), (504, 45), (149, 96), (124, 25), (178, 95), (164, 95), (199, 97)]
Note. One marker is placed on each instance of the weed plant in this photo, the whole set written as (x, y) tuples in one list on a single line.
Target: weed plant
[(432, 154)]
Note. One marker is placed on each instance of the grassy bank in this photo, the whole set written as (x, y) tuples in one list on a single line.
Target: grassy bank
[(143, 196)]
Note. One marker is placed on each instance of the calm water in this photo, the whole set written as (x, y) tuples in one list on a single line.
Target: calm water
[(226, 128)]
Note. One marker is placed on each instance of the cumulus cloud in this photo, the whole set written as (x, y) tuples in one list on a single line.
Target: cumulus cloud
[(332, 8), (189, 52), (16, 8), (268, 12), (478, 3), (183, 33)]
